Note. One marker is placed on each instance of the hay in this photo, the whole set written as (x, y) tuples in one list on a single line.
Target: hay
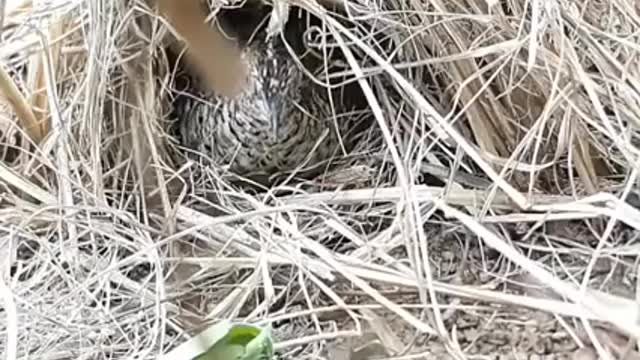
[(491, 211)]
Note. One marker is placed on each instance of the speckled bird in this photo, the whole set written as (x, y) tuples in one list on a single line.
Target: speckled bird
[(281, 121)]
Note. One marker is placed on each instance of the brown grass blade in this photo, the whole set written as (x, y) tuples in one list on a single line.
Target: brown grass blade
[(215, 57), (20, 105)]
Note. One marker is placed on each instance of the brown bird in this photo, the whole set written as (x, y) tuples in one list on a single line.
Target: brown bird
[(281, 121)]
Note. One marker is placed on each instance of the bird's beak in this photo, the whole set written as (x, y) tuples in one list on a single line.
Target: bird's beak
[(276, 117), (275, 120)]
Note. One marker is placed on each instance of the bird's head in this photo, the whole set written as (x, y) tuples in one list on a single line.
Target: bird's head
[(275, 82)]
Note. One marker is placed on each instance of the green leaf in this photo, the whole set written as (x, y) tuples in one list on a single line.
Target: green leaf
[(242, 342)]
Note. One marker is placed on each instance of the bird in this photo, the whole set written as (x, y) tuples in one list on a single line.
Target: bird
[(281, 120)]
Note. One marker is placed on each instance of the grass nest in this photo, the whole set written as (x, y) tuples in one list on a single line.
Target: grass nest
[(492, 210)]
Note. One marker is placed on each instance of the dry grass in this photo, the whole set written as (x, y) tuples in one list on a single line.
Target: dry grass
[(528, 249)]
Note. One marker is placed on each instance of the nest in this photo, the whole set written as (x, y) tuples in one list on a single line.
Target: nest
[(491, 208)]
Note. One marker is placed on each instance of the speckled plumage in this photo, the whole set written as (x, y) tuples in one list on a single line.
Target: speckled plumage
[(239, 132)]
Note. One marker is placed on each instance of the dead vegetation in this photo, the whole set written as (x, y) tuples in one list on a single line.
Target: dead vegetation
[(493, 212)]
